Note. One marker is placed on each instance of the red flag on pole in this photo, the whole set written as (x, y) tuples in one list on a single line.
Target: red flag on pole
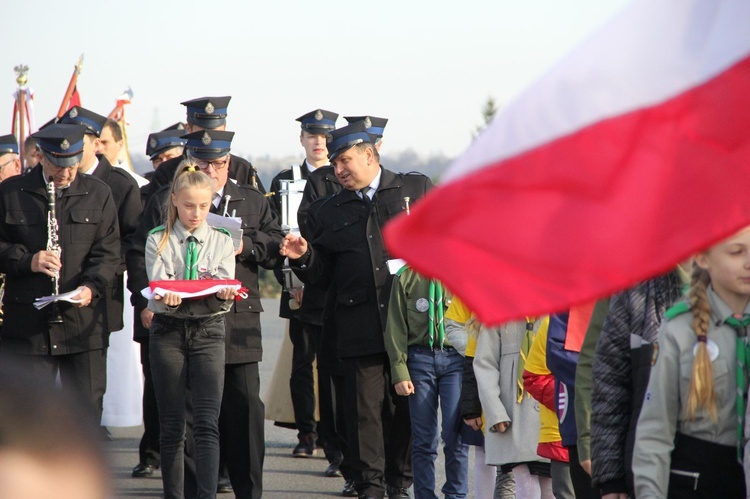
[(627, 157), (75, 98), (71, 97)]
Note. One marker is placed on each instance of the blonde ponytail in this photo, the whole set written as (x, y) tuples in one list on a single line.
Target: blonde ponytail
[(701, 393)]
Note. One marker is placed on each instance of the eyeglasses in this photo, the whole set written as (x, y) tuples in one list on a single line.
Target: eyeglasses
[(217, 165)]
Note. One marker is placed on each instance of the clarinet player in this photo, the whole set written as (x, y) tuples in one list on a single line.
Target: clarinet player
[(79, 253)]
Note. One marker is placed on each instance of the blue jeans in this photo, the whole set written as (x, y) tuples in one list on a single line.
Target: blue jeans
[(436, 375), (188, 352)]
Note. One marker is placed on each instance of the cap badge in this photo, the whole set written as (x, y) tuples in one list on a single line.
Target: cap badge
[(153, 142), (73, 112), (209, 108), (368, 123), (206, 139), (65, 145), (318, 115)]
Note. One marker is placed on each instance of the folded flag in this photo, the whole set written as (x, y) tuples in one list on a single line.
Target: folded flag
[(627, 157), (191, 288)]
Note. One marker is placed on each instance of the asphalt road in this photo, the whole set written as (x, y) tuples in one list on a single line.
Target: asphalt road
[(284, 476)]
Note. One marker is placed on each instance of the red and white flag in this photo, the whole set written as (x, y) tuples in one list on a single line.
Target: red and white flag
[(194, 288), (630, 155)]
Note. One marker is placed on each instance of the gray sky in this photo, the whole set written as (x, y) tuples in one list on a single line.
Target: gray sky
[(427, 66)]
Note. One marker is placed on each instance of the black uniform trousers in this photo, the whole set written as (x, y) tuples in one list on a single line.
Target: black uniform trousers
[(84, 373), (332, 427), (305, 340), (241, 429), (148, 448), (378, 425)]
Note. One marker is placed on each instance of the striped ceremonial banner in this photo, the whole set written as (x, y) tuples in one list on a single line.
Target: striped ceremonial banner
[(630, 155)]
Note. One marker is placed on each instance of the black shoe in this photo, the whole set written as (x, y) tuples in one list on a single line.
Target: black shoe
[(333, 469), (305, 447), (398, 492), (349, 490), (223, 486), (142, 470)]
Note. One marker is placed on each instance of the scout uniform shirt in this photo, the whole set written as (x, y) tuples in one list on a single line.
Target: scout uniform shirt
[(215, 261), (408, 322), (662, 413)]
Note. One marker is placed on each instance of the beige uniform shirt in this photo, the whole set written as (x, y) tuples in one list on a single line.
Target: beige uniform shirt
[(215, 260), (663, 407)]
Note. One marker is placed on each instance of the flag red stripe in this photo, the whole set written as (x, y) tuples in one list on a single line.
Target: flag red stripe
[(592, 212)]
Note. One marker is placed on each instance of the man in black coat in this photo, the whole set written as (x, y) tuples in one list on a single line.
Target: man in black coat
[(347, 252), (305, 336), (241, 423), (125, 194), (66, 337), (204, 113), (322, 183)]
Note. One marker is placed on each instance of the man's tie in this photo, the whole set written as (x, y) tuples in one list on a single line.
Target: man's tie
[(739, 324), (191, 259), (435, 314), (364, 192)]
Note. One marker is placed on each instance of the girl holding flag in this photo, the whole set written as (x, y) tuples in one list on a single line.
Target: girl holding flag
[(689, 438), (187, 336)]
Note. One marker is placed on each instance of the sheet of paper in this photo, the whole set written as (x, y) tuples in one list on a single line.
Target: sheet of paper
[(42, 302), (232, 224)]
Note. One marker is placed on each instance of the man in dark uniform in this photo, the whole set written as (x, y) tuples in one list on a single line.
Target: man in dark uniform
[(241, 423), (321, 184), (69, 338), (125, 194), (205, 113), (305, 337), (10, 162), (160, 146), (10, 166), (347, 253), (163, 146)]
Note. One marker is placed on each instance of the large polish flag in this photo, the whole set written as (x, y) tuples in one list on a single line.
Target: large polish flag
[(630, 155)]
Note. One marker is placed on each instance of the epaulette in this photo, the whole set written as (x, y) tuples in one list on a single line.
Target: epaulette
[(222, 229), (677, 309), (156, 229), (413, 172)]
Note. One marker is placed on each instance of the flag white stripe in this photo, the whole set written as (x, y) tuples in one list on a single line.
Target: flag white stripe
[(652, 51)]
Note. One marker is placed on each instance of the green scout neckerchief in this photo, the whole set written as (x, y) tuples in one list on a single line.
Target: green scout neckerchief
[(191, 259), (739, 324), (435, 313), (528, 339)]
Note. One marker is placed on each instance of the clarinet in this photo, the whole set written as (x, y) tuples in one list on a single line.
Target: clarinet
[(53, 244)]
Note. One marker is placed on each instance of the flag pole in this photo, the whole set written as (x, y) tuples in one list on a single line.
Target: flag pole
[(71, 87), (20, 114)]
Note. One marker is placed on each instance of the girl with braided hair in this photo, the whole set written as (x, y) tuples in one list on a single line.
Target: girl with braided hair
[(690, 434)]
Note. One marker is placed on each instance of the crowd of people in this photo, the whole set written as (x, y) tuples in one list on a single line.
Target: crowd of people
[(641, 394)]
